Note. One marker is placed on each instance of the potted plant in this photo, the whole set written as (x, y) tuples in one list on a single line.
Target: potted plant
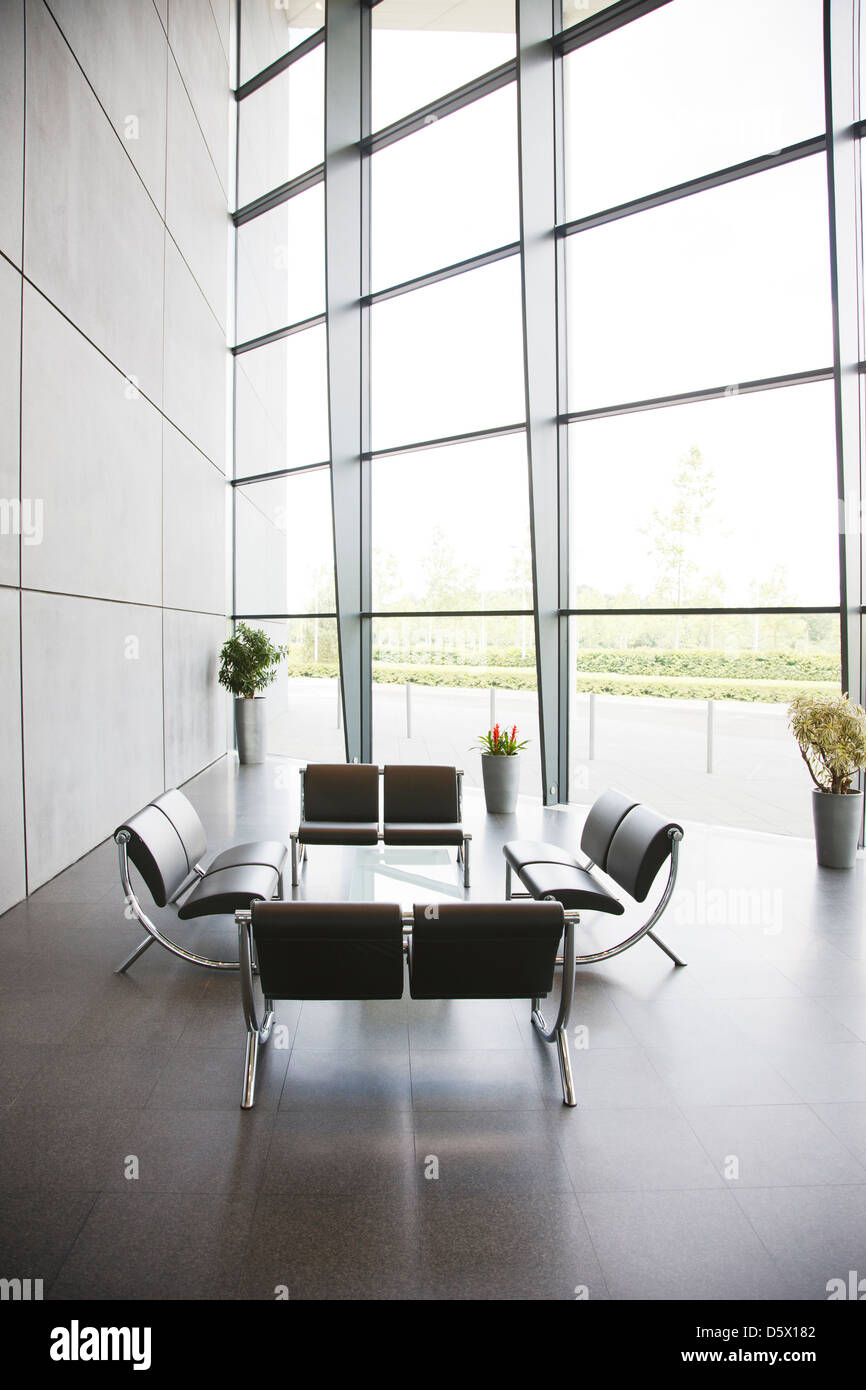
[(831, 733), (248, 663), (500, 768)]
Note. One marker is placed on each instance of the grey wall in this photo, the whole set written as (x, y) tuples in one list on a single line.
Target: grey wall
[(114, 169)]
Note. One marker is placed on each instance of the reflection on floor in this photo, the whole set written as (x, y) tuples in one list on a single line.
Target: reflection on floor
[(718, 1151)]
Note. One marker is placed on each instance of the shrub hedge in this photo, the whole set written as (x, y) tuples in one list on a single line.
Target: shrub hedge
[(669, 687)]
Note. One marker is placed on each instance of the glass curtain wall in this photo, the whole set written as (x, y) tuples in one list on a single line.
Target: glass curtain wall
[(697, 485), (702, 450), (283, 527)]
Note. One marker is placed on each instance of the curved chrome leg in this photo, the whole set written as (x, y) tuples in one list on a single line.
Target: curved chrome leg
[(256, 1032), (153, 932), (559, 1032)]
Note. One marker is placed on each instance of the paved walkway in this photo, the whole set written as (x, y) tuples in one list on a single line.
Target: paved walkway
[(656, 749)]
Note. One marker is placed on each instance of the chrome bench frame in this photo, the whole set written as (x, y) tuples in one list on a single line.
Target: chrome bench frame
[(259, 1027), (593, 957), (298, 848)]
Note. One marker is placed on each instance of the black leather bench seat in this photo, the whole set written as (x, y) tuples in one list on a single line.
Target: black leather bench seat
[(226, 890), (428, 833), (521, 852), (270, 853), (571, 886), (329, 832)]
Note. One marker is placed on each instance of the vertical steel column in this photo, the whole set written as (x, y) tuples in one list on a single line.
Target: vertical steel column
[(343, 279), (537, 163), (842, 106)]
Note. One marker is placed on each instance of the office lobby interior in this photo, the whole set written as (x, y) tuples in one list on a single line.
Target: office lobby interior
[(502, 363)]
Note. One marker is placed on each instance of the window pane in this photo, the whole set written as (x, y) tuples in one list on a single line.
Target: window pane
[(284, 545), (725, 286), (576, 11), (453, 664), (435, 201), (425, 48), (700, 505), (269, 30), (448, 359), (304, 716), (468, 547), (281, 266), (743, 93), (640, 713), (282, 128), (281, 404)]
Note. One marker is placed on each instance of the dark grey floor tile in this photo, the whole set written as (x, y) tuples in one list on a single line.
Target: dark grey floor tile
[(724, 979), (335, 1153), (677, 1023), (54, 1147), (118, 1076), (823, 1071), (37, 1231), (633, 1150), (772, 1023), (487, 1153), (834, 972), (455, 1025), (772, 1146), (679, 1245), (354, 1247), (849, 1010), (503, 1080), (813, 1234), (604, 1078), (363, 1080), (18, 1065), (848, 1123), (194, 1150), (376, 1025), (212, 1078), (526, 1246), (142, 1245), (140, 1013), (726, 1074), (595, 1020)]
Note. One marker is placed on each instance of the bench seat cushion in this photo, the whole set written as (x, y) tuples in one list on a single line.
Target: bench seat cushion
[(330, 832), (428, 833), (572, 887), (268, 852), (520, 852), (227, 890)]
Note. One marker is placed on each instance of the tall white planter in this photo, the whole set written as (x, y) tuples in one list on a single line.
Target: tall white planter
[(251, 728), (501, 781)]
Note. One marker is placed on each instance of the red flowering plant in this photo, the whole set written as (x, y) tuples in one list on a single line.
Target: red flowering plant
[(500, 742)]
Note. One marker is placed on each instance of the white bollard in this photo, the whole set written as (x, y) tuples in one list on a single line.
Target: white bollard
[(711, 733), (591, 725), (408, 709), (492, 707)]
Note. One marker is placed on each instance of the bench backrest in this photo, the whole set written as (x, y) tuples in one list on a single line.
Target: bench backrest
[(420, 794), (341, 792), (329, 950), (641, 844), (604, 819), (166, 841), (484, 950)]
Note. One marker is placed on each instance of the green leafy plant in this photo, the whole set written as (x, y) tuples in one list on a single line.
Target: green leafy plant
[(249, 661), (500, 743), (831, 733)]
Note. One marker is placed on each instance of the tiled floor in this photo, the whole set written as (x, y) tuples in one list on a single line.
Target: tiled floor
[(718, 1149)]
